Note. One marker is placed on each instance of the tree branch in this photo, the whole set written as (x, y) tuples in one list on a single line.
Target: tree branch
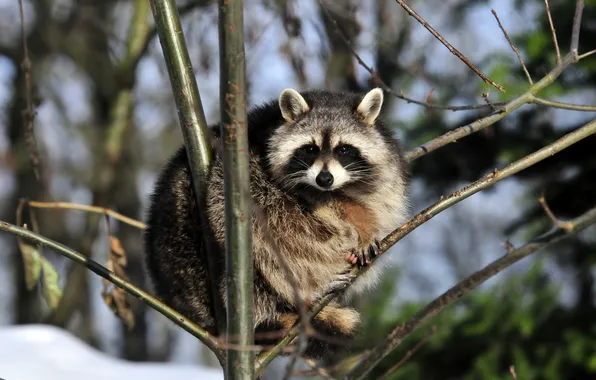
[(28, 112), (561, 105), (586, 54), (238, 207), (552, 29), (450, 47), (527, 97), (92, 209), (410, 353), (521, 61), (182, 10), (577, 22), (208, 339), (450, 296), (193, 125)]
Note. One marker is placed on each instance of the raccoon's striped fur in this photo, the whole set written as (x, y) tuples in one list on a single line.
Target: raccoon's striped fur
[(327, 180)]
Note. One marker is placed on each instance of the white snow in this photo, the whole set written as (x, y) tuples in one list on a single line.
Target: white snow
[(34, 352)]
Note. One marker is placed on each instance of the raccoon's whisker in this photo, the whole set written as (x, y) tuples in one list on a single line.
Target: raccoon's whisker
[(291, 176), (361, 172), (303, 163), (291, 180)]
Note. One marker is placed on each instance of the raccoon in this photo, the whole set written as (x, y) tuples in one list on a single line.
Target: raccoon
[(328, 182)]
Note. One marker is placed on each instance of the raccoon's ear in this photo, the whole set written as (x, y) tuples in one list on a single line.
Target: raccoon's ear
[(370, 107), (292, 104)]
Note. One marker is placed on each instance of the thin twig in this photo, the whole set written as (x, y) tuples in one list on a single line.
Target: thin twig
[(521, 61), (552, 29), (204, 336), (577, 21), (92, 209), (410, 353), (444, 203), (561, 105), (512, 371), (29, 113), (453, 50), (559, 223), (488, 102), (586, 54), (462, 288)]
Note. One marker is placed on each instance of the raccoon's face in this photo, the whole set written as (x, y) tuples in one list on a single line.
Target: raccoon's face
[(329, 148)]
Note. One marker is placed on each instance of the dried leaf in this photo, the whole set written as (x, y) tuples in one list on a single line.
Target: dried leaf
[(116, 298), (51, 284), (117, 302), (32, 261)]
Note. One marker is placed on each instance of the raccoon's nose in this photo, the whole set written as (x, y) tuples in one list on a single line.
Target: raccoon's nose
[(325, 179)]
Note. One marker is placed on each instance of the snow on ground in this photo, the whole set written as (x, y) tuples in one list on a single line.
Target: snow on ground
[(34, 352)]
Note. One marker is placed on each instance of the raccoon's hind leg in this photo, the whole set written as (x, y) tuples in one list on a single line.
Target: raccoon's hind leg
[(334, 331), (334, 328)]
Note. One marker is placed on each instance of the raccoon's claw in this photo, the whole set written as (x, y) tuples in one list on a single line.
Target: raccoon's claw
[(364, 256), (338, 282)]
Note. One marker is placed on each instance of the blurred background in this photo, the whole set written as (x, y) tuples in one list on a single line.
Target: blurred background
[(106, 123)]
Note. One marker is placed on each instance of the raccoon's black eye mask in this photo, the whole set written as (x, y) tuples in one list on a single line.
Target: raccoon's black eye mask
[(346, 150), (310, 149)]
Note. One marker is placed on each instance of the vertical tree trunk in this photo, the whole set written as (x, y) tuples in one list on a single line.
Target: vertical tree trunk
[(238, 209)]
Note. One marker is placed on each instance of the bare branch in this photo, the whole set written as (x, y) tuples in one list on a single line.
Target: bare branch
[(453, 50), (29, 113), (209, 340), (586, 54), (464, 287), (512, 371), (410, 353), (182, 10), (521, 61), (559, 223), (577, 21), (92, 209), (484, 122), (561, 105), (239, 261), (552, 29)]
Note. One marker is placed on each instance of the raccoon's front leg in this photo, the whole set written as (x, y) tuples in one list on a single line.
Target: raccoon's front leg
[(338, 282), (363, 256)]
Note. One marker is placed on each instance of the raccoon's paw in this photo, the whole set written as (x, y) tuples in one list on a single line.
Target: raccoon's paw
[(337, 282), (363, 256)]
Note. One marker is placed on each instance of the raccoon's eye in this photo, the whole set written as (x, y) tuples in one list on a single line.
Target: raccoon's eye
[(343, 150), (310, 149)]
